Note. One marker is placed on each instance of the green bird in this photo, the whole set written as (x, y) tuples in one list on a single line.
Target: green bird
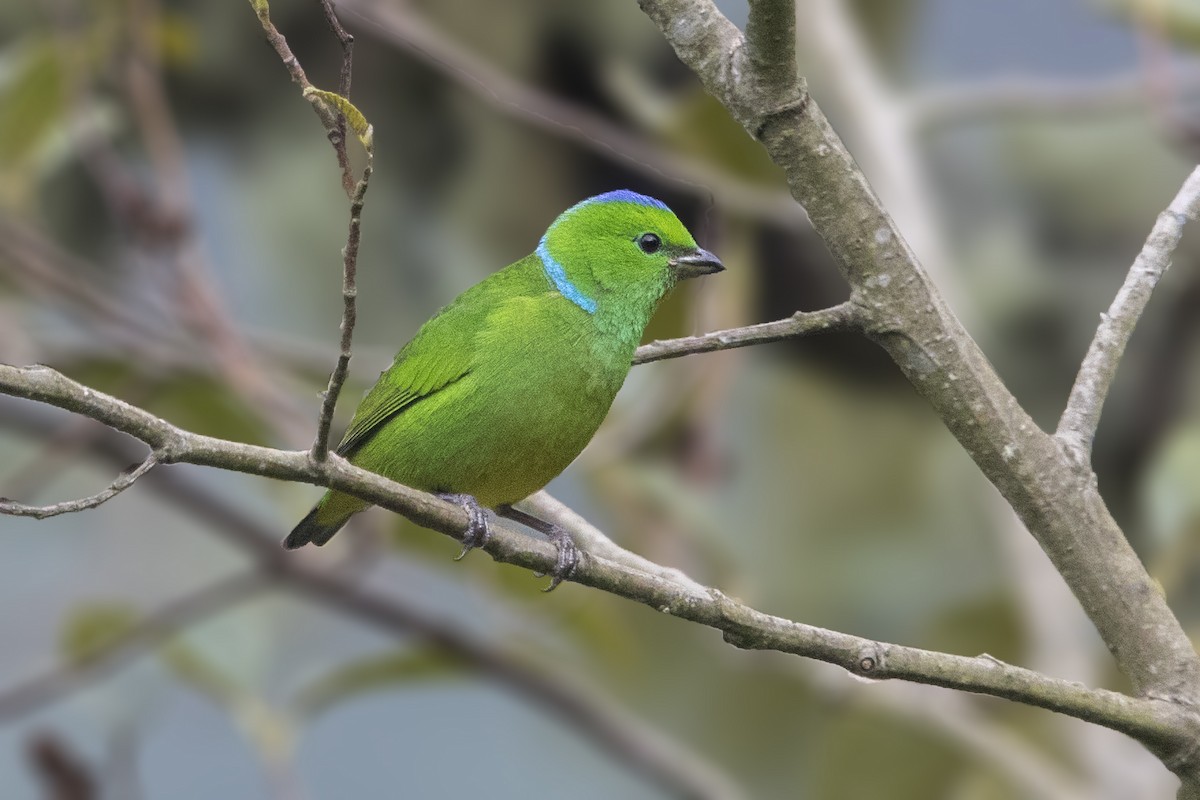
[(504, 387)]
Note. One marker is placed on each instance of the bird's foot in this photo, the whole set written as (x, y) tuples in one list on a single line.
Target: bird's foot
[(569, 555), (478, 531)]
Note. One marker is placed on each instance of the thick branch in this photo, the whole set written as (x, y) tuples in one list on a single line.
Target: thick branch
[(905, 314), (123, 482), (1079, 421), (1163, 726), (771, 46)]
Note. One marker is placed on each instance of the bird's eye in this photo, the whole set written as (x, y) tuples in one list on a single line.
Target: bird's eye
[(649, 243)]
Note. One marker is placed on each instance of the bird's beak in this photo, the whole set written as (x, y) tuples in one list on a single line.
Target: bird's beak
[(694, 264)]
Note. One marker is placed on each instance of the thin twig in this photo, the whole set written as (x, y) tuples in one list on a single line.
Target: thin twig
[(1079, 421), (337, 378), (338, 135), (123, 482), (803, 323), (333, 111), (328, 116)]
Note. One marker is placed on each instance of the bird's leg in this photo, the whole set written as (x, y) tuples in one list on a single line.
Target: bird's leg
[(568, 553), (478, 531)]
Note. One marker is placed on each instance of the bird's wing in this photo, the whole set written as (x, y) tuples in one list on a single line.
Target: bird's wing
[(441, 353)]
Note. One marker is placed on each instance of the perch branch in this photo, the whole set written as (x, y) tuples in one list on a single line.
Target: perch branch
[(1165, 726), (629, 739)]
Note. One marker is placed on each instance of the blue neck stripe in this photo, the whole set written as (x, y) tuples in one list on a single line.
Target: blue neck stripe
[(558, 276)]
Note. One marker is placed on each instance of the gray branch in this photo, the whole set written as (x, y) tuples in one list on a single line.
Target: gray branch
[(1163, 725), (123, 482), (802, 323), (902, 310), (1077, 427)]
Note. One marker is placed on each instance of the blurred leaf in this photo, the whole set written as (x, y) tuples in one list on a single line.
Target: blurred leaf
[(1179, 20), (176, 39), (32, 101), (695, 123), (91, 629), (984, 624), (869, 754), (375, 673), (199, 673), (192, 400)]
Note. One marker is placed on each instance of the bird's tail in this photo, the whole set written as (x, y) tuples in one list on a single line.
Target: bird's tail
[(326, 518)]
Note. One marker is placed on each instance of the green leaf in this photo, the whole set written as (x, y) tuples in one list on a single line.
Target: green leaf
[(375, 673), (354, 118), (94, 628)]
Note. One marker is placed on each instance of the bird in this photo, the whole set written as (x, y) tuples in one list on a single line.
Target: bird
[(499, 391)]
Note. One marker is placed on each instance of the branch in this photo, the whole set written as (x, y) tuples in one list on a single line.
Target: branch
[(123, 482), (803, 323), (1079, 421), (1162, 725), (771, 46), (629, 739), (329, 117), (903, 311), (337, 378), (335, 111), (337, 136)]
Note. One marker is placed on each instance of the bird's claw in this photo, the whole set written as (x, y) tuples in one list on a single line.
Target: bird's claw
[(568, 557), (478, 530)]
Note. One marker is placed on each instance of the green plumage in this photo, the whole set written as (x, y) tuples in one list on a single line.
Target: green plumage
[(504, 387)]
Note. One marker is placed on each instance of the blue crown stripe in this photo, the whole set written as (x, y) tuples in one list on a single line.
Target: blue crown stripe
[(558, 276)]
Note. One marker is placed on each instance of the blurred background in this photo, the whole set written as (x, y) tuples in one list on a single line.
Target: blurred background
[(171, 217)]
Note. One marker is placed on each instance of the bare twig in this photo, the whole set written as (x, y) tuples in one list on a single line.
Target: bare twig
[(328, 116), (335, 112), (123, 482), (1162, 725), (338, 135), (337, 378), (803, 323), (1079, 421)]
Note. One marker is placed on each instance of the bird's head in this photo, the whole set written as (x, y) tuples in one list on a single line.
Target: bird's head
[(620, 245)]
